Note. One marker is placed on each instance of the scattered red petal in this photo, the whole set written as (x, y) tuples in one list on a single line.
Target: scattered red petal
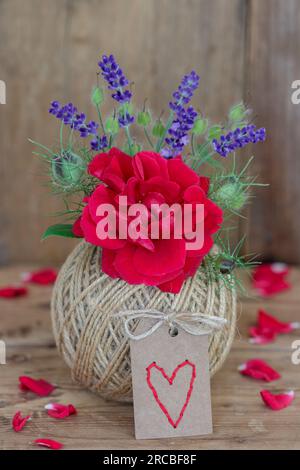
[(18, 422), (269, 279), (279, 401), (43, 276), (269, 323), (40, 387), (258, 337), (10, 292), (258, 369), (49, 443), (268, 327), (58, 411)]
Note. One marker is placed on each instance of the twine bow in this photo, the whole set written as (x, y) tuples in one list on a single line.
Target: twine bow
[(192, 323)]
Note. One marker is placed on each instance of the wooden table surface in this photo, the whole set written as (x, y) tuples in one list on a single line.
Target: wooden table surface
[(240, 419)]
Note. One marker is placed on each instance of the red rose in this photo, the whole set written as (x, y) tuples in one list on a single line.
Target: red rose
[(148, 178)]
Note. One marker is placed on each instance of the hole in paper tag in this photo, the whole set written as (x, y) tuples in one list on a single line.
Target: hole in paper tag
[(173, 331)]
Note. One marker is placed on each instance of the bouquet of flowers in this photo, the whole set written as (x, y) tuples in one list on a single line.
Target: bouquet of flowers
[(175, 162)]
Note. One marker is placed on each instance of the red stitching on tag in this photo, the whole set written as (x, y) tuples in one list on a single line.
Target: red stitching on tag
[(170, 380)]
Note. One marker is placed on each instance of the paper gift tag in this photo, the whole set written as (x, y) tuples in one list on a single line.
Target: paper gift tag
[(171, 384)]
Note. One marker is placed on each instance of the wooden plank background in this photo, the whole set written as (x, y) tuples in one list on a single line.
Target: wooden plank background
[(241, 48)]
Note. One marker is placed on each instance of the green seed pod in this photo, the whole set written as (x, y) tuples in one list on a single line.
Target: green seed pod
[(126, 108), (133, 149), (231, 196), (200, 126), (112, 126), (97, 96), (144, 118), (239, 124), (158, 129), (67, 168), (214, 132), (237, 112)]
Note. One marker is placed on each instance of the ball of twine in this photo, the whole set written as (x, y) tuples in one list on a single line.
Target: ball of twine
[(92, 340)]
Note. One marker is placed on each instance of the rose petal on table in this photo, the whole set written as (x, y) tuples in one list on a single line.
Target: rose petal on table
[(269, 278), (59, 411), (266, 321), (277, 401), (40, 386), (259, 369), (259, 336), (18, 422), (43, 276), (50, 443), (268, 327), (10, 292)]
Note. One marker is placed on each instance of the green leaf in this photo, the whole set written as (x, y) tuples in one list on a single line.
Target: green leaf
[(59, 230)]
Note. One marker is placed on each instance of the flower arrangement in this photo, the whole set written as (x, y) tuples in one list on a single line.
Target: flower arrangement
[(166, 168)]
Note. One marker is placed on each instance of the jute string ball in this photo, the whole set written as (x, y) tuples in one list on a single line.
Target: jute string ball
[(91, 338)]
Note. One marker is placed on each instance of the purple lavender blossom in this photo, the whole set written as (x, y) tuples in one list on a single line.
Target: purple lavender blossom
[(70, 116), (99, 143), (117, 81), (184, 117), (125, 119), (178, 132), (238, 139), (115, 78), (185, 91)]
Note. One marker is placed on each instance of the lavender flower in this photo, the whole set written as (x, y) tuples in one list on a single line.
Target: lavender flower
[(70, 116), (185, 91), (99, 143), (117, 81), (115, 78), (178, 132), (125, 119), (184, 117), (238, 139)]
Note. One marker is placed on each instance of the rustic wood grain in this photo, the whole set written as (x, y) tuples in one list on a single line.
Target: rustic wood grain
[(241, 421), (49, 50), (272, 64)]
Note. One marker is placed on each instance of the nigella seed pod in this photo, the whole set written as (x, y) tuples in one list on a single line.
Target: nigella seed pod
[(144, 118), (158, 129), (133, 149), (67, 168), (227, 266), (231, 196), (237, 112), (112, 126), (214, 132), (97, 96), (200, 126)]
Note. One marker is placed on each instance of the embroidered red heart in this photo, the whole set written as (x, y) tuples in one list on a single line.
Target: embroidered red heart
[(171, 380)]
